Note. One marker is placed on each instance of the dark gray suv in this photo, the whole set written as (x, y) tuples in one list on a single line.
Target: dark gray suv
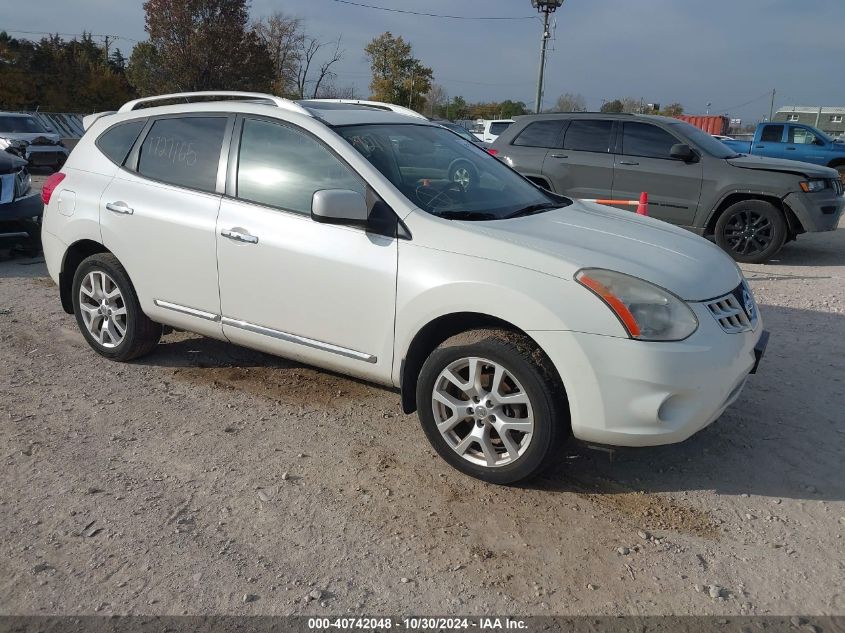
[(749, 205)]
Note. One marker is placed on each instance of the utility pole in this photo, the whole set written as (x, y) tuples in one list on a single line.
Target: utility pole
[(546, 7), (772, 107)]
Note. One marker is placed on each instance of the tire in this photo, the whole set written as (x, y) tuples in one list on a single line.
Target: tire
[(102, 284), (463, 173), (527, 376), (751, 231)]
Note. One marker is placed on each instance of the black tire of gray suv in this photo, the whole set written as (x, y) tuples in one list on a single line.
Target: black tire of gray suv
[(523, 364), (141, 335), (751, 231)]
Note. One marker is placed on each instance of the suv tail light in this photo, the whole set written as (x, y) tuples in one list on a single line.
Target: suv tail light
[(492, 151), (50, 186)]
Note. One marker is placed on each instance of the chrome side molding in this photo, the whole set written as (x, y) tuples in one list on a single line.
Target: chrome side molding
[(208, 316), (300, 340)]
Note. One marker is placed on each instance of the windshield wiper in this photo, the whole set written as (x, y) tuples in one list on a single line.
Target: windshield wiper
[(467, 215), (532, 209)]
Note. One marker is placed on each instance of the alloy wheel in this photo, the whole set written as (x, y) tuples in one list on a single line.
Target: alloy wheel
[(462, 177), (103, 309), (483, 412), (748, 232)]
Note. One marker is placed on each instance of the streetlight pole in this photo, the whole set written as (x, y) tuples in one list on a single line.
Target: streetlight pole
[(546, 7)]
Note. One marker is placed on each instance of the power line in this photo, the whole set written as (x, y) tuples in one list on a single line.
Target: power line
[(742, 105), (435, 15), (109, 35)]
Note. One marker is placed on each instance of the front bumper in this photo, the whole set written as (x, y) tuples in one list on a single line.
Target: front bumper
[(27, 207), (816, 211), (624, 392)]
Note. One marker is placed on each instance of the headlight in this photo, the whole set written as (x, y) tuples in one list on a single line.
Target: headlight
[(811, 186), (647, 312)]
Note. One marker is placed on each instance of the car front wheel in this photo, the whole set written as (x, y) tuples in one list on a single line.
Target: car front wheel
[(751, 231), (491, 405), (108, 312)]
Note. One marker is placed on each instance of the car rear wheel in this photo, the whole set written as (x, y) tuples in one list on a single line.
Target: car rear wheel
[(108, 312), (464, 174), (751, 231), (491, 406)]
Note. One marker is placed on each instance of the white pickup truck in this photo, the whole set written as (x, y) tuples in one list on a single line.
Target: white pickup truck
[(488, 130)]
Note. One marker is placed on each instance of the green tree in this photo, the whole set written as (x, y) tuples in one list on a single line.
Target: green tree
[(673, 109), (397, 76), (203, 45), (614, 106)]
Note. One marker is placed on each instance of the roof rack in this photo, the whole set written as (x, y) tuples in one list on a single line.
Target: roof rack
[(374, 104), (285, 104)]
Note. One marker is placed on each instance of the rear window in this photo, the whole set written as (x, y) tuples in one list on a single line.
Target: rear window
[(183, 151), (541, 134), (588, 136), (119, 139), (772, 134), (498, 128)]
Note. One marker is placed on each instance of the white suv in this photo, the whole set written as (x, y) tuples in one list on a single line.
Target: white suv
[(508, 316)]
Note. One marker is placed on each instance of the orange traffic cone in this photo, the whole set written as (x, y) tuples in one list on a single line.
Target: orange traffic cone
[(642, 208)]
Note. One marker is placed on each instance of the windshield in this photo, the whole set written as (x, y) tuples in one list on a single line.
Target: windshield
[(20, 124), (446, 175), (703, 141)]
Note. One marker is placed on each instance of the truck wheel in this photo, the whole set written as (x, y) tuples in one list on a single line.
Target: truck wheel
[(491, 406), (751, 231), (108, 311)]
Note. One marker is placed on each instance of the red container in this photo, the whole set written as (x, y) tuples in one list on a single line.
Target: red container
[(710, 123)]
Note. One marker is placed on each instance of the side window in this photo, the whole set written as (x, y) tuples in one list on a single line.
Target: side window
[(116, 142), (541, 134), (801, 136), (588, 136), (498, 128), (281, 167), (771, 134), (644, 139), (183, 151)]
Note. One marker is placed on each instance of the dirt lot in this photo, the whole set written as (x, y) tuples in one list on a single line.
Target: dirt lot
[(211, 479)]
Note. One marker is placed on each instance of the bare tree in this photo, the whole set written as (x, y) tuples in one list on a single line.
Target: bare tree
[(284, 37), (308, 51), (330, 90), (570, 102), (435, 98)]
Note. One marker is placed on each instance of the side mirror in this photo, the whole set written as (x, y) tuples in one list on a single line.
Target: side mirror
[(339, 206), (682, 152)]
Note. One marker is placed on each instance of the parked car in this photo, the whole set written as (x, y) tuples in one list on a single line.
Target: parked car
[(464, 133), (749, 205), (43, 147), (20, 209), (794, 141), (488, 131), (509, 317)]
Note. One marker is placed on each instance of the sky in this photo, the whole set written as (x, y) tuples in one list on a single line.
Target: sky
[(729, 53)]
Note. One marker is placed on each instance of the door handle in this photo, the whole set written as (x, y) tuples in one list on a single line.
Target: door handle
[(120, 207), (791, 149), (237, 236), (761, 147), (559, 156), (627, 162)]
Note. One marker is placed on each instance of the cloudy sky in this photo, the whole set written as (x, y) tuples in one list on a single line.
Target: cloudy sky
[(730, 53)]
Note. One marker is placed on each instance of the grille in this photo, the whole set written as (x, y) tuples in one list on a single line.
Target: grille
[(735, 312), (838, 186)]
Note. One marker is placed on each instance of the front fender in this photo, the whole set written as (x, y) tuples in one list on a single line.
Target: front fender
[(432, 284)]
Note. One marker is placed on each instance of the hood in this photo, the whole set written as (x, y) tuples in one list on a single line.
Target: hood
[(786, 166), (583, 235), (29, 137)]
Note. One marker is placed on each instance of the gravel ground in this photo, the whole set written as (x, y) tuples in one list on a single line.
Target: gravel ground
[(207, 478)]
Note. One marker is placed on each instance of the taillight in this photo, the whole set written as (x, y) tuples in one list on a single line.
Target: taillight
[(50, 186), (492, 152)]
